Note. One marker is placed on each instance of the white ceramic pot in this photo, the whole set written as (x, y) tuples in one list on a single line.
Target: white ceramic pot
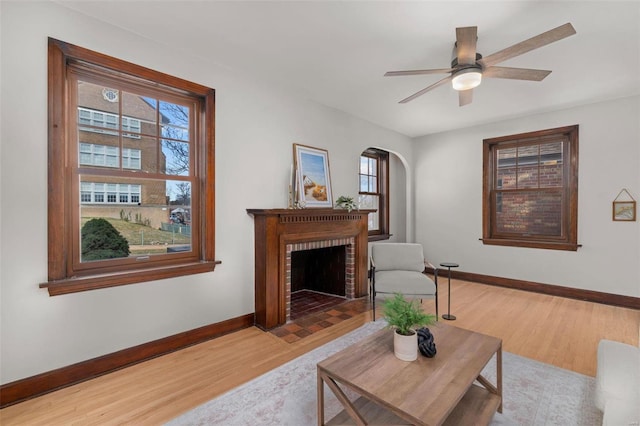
[(405, 347)]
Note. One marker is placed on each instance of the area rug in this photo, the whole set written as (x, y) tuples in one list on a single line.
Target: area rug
[(534, 393)]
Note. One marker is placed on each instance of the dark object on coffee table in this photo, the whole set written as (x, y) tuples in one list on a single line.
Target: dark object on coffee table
[(426, 345)]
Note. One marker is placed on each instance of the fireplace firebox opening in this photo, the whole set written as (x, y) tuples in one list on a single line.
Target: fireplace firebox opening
[(325, 268), (321, 270)]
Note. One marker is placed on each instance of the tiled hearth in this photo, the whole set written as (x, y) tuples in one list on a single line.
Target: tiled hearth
[(322, 314), (307, 302)]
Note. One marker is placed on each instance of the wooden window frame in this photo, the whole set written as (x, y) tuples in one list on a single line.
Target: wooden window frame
[(569, 240), (382, 158), (62, 276)]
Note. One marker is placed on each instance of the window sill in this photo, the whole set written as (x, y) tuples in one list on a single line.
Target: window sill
[(94, 282), (379, 237), (550, 245)]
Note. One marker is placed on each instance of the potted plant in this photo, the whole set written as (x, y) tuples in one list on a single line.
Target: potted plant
[(346, 203), (404, 317)]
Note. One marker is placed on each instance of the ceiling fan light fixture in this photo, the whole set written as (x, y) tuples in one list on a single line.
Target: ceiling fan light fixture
[(467, 78)]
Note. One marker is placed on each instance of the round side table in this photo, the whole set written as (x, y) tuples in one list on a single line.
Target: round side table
[(448, 315)]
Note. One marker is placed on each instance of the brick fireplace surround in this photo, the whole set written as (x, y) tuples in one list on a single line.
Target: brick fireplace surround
[(278, 232)]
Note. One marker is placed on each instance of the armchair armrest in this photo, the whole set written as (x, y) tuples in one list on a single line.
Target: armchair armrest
[(428, 264)]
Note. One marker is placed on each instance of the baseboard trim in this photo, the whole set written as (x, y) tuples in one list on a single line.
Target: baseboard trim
[(550, 289), (31, 387)]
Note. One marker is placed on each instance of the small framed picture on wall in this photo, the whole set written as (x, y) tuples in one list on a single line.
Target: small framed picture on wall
[(624, 207), (624, 210)]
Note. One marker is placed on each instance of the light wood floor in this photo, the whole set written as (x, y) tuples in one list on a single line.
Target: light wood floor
[(553, 330)]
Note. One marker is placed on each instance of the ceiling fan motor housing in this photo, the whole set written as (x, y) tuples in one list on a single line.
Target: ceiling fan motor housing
[(454, 62)]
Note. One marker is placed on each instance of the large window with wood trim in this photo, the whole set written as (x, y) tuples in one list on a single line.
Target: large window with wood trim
[(131, 173), (374, 191), (530, 191)]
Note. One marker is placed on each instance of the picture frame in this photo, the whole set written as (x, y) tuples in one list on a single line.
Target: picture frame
[(312, 177), (624, 211)]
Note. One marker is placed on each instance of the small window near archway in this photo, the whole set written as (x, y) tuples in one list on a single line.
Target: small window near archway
[(374, 191)]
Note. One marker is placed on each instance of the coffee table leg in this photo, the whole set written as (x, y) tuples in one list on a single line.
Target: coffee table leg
[(320, 399), (499, 375)]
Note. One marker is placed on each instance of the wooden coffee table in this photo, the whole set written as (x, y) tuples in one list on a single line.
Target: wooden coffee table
[(428, 391)]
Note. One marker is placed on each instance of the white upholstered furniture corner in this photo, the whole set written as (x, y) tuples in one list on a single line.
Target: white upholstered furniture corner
[(618, 383), (399, 268)]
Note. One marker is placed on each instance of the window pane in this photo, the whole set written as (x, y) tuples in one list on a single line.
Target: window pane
[(528, 161), (95, 107), (175, 121), (371, 202), (152, 216), (529, 213), (364, 165), (364, 183), (551, 165), (176, 156), (373, 167), (506, 169), (139, 115)]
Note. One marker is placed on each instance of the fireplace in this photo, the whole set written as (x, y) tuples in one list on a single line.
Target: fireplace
[(282, 235), (322, 266)]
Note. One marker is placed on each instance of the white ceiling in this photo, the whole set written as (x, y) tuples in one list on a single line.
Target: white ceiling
[(336, 52)]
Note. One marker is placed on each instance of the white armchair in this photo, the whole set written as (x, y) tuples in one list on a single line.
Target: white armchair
[(399, 268), (618, 383)]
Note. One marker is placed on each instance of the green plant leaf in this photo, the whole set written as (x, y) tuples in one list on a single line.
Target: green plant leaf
[(404, 315)]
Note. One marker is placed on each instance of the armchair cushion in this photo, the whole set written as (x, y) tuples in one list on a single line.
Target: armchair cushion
[(405, 282), (397, 256)]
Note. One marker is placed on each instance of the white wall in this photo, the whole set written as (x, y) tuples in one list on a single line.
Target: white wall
[(398, 197), (449, 201), (255, 128)]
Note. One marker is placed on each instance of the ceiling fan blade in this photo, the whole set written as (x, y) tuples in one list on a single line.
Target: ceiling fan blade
[(466, 38), (540, 40), (418, 72), (425, 90), (465, 97), (515, 73)]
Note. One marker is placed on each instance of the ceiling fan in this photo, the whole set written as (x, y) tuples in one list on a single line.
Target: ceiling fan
[(468, 67)]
